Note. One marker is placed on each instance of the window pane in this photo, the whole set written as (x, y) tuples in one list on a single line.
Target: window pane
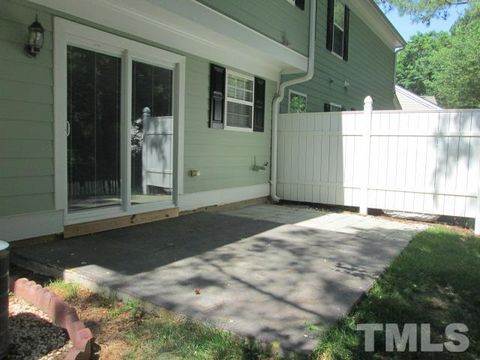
[(298, 103), (152, 88), (338, 40), (248, 95), (93, 145), (340, 14), (239, 88), (239, 115), (151, 133), (162, 92)]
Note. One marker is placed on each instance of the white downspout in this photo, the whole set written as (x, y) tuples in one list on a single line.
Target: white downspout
[(281, 94)]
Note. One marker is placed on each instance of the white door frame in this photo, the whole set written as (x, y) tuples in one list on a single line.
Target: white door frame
[(71, 33)]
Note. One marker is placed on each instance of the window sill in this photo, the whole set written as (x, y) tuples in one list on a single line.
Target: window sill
[(234, 128), (337, 56)]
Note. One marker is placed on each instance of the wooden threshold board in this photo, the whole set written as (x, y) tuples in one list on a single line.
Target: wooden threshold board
[(118, 222)]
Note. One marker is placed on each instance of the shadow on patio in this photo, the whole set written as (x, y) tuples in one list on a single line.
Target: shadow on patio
[(263, 271)]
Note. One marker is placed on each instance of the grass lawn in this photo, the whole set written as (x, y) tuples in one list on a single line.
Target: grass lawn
[(435, 280)]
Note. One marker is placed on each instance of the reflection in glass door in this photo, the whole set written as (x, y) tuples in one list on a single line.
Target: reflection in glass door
[(93, 144), (151, 133)]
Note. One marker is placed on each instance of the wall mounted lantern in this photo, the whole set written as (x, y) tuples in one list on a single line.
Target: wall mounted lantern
[(35, 38)]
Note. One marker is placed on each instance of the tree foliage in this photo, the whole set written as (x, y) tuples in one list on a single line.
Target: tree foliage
[(445, 65), (416, 63), (456, 82), (424, 10)]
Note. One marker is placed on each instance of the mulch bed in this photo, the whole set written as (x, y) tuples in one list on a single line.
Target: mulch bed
[(32, 334)]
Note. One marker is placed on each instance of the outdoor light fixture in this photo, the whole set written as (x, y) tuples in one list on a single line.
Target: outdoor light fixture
[(35, 38)]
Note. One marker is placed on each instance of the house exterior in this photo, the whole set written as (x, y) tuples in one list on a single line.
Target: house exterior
[(150, 107), (409, 101)]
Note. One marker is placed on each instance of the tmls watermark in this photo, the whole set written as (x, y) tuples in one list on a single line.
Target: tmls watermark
[(397, 341)]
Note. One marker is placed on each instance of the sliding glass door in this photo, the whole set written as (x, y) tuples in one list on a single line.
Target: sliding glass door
[(97, 158), (93, 130)]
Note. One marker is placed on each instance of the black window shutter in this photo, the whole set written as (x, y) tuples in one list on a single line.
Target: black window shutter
[(217, 96), (326, 107), (346, 33), (259, 106), (300, 4), (330, 15)]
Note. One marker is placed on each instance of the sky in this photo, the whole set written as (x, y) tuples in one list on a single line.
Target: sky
[(405, 26)]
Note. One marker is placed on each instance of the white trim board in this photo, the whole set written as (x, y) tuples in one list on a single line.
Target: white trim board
[(171, 24), (221, 197), (26, 226)]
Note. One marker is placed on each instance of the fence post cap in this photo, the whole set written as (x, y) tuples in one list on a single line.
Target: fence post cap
[(368, 100)]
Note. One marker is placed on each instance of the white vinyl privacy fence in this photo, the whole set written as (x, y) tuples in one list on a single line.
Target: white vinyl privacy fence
[(422, 162)]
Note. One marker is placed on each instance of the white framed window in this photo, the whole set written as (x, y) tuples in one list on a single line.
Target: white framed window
[(338, 29), (239, 101), (297, 102), (335, 107)]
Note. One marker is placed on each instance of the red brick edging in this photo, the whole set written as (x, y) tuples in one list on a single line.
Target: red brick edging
[(60, 313)]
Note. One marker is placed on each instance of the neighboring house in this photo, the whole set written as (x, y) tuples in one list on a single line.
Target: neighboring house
[(154, 106), (408, 101)]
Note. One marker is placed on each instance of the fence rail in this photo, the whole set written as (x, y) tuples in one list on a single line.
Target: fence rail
[(422, 162)]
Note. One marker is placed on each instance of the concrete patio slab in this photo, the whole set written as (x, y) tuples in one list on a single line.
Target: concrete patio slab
[(264, 271)]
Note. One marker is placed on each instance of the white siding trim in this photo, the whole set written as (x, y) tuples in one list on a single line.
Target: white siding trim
[(60, 114), (26, 226), (224, 196)]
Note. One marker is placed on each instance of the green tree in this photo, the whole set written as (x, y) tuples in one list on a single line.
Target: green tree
[(424, 10), (416, 64), (298, 103), (445, 65), (456, 80)]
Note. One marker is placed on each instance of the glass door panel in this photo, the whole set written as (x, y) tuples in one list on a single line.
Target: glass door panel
[(151, 134), (93, 144)]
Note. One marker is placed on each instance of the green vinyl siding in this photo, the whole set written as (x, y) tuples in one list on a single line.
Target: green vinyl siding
[(369, 70), (26, 114), (277, 19), (224, 158)]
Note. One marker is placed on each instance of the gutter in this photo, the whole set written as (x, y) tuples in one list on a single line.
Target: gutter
[(281, 95)]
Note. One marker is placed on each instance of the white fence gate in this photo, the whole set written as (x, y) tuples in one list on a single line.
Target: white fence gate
[(422, 162)]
